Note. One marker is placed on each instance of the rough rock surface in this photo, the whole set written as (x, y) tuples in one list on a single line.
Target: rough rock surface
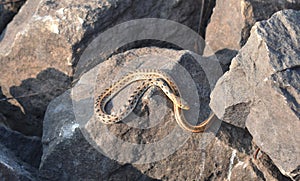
[(61, 109), (71, 144), (13, 169), (8, 9), (261, 90), (231, 21), (27, 149), (48, 33), (40, 52)]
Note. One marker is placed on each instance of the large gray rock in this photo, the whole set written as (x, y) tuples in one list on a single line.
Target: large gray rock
[(12, 168), (231, 21), (261, 90), (64, 130), (77, 146), (53, 34)]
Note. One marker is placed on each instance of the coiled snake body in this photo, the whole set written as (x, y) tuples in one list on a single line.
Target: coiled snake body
[(148, 78)]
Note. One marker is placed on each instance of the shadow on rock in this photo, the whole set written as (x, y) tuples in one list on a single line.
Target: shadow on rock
[(225, 56), (33, 97)]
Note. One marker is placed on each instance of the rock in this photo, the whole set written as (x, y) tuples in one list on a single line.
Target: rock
[(6, 118), (31, 98), (8, 9), (261, 90), (53, 34), (74, 139), (225, 56), (66, 153), (224, 32), (232, 156), (221, 31), (27, 149), (13, 169), (68, 125)]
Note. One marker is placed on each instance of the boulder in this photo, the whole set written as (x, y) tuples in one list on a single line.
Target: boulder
[(261, 90), (53, 34), (231, 21), (70, 122), (77, 146), (233, 156)]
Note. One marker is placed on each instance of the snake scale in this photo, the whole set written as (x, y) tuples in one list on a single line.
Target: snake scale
[(147, 78)]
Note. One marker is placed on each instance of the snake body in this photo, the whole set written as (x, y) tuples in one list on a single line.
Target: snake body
[(147, 78)]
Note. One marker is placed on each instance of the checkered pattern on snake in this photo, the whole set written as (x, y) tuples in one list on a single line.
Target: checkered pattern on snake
[(147, 78)]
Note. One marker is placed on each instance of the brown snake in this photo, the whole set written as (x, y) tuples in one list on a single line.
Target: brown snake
[(148, 78)]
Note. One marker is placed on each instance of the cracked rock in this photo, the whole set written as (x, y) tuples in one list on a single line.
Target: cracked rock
[(261, 91), (231, 21)]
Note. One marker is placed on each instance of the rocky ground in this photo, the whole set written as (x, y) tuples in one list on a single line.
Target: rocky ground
[(57, 56)]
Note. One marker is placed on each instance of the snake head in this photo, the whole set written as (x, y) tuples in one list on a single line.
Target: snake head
[(181, 103)]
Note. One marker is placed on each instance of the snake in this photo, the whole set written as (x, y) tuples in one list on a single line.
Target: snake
[(147, 78)]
